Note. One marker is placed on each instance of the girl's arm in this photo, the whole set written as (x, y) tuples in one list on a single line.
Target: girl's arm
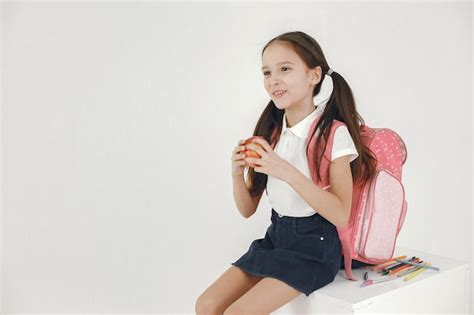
[(334, 206), (246, 204)]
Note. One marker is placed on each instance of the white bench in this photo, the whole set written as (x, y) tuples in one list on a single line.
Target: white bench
[(446, 291)]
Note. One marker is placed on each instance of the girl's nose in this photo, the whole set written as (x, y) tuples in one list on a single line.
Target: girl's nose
[(274, 81), (275, 84)]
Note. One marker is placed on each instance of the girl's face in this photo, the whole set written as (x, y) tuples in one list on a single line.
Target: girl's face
[(284, 70)]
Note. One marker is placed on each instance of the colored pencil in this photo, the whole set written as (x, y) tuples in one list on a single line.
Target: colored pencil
[(421, 265), (416, 273)]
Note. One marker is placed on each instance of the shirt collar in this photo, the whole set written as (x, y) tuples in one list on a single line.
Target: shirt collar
[(301, 129)]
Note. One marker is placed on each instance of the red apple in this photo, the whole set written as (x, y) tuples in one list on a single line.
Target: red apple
[(252, 153)]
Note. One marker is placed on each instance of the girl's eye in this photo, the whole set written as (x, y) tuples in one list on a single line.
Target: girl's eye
[(265, 73)]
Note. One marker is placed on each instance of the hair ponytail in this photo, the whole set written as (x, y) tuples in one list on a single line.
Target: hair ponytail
[(341, 106)]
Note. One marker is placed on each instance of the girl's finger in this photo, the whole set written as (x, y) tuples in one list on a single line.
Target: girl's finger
[(238, 156), (249, 159), (264, 144), (239, 148), (257, 148)]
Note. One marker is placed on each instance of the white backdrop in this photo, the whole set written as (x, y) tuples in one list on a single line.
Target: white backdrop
[(119, 119)]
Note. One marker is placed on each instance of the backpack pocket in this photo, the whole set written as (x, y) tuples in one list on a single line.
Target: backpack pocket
[(383, 216)]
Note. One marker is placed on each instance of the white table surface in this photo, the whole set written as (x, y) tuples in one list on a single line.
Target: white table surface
[(350, 292)]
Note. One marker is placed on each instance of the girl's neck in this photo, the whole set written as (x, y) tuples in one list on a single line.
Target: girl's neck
[(295, 116)]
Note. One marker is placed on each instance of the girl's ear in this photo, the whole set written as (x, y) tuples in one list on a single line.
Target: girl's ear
[(316, 75)]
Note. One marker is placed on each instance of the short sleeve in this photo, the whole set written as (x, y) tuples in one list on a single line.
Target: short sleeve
[(343, 144)]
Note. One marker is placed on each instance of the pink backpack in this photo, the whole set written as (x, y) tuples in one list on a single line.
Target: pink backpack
[(378, 206)]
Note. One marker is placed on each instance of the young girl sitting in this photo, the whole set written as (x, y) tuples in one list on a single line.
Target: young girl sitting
[(301, 250)]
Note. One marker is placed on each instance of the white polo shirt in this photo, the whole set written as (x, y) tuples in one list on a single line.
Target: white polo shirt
[(291, 147)]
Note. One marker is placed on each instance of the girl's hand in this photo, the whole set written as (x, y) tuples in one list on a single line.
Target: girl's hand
[(269, 163), (238, 164)]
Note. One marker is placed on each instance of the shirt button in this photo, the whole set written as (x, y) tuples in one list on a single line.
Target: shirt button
[(280, 215), (321, 238)]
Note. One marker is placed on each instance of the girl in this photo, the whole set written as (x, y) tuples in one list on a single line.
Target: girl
[(301, 250)]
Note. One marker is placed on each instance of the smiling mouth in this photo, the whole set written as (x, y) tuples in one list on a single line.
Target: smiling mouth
[(279, 94)]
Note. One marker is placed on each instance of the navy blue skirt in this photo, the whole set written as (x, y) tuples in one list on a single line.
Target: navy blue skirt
[(304, 252)]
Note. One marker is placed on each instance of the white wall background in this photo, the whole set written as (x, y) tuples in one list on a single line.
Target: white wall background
[(119, 119)]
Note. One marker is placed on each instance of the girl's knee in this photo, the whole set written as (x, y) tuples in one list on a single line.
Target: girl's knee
[(207, 306)]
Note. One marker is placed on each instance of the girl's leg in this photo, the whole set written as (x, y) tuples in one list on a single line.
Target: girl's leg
[(230, 286), (264, 298)]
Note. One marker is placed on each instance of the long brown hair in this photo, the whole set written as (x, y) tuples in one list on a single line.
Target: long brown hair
[(341, 106)]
